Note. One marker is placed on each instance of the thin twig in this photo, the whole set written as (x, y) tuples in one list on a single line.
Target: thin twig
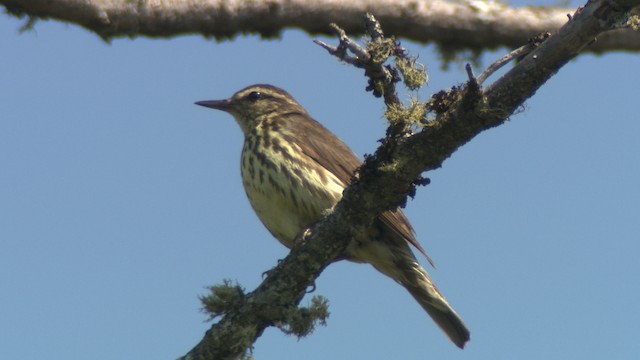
[(470, 74), (340, 53), (374, 29), (521, 51)]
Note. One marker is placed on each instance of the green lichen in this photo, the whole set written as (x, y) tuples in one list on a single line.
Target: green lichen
[(223, 299), (302, 321)]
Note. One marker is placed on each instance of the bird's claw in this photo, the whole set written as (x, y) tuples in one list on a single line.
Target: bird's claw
[(266, 273)]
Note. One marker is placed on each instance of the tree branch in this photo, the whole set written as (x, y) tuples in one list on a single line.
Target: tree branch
[(462, 113), (452, 25)]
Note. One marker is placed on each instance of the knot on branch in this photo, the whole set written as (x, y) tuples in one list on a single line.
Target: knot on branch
[(442, 101)]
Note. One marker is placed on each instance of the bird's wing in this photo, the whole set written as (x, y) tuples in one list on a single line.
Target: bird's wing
[(321, 145), (398, 223), (325, 148)]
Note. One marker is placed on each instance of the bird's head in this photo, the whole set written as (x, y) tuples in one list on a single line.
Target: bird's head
[(256, 103)]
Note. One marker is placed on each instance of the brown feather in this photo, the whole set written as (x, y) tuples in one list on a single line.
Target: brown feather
[(334, 155)]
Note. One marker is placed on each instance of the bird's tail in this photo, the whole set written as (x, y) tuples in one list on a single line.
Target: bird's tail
[(417, 281), (407, 271)]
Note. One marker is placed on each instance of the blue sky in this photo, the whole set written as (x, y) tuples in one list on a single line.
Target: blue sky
[(120, 201)]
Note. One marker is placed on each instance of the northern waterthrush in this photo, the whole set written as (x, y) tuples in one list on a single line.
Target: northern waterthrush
[(293, 169)]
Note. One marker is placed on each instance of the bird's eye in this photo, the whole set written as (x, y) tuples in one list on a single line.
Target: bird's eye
[(254, 95)]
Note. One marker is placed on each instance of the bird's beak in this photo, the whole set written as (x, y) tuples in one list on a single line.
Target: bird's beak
[(216, 104)]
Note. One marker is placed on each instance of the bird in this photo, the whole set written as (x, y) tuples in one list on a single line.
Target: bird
[(294, 169)]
